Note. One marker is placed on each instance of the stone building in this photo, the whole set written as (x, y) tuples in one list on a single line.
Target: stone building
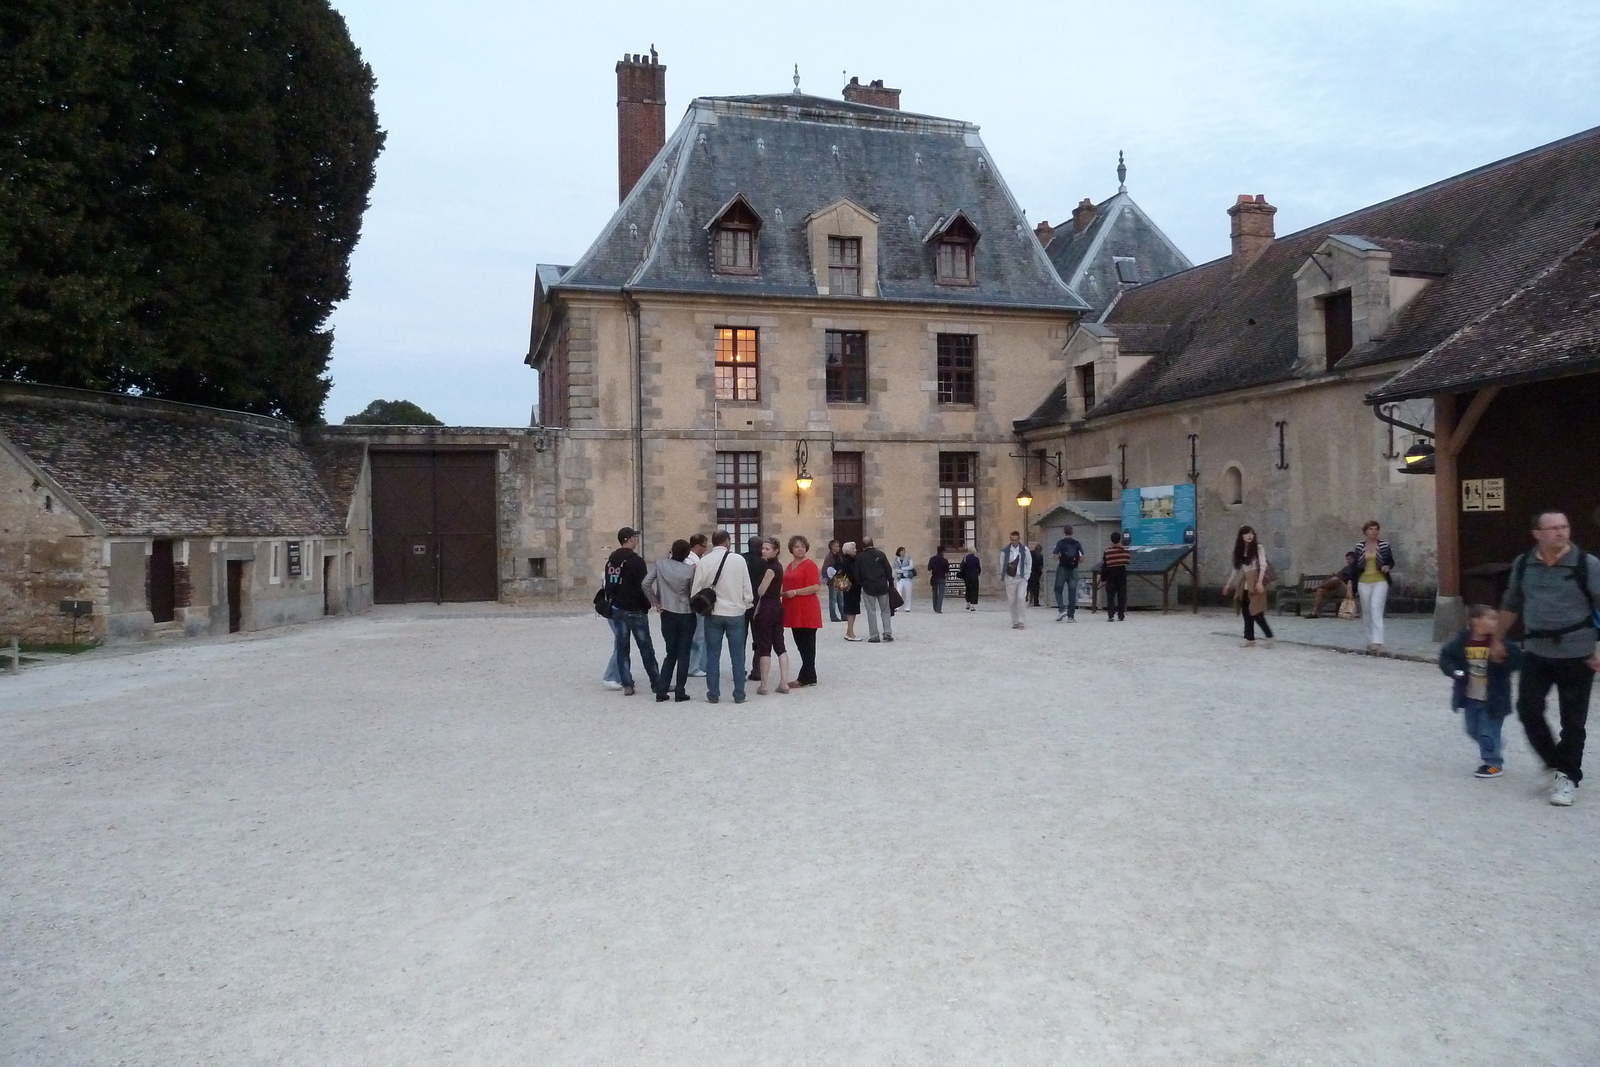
[(807, 316), (1249, 375), (172, 519)]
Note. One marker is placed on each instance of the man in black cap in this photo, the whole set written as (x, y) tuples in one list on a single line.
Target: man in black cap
[(630, 607)]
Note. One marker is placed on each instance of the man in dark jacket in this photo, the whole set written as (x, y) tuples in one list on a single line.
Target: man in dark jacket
[(1068, 553), (938, 574), (971, 568), (876, 576), (630, 607)]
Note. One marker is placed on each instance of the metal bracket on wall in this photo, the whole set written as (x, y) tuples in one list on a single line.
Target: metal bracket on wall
[(1122, 465), (1194, 457), (1283, 454)]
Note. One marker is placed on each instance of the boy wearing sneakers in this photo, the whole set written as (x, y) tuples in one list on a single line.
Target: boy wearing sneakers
[(1482, 690)]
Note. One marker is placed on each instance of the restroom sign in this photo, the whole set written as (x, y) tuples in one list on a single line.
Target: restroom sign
[(1472, 494)]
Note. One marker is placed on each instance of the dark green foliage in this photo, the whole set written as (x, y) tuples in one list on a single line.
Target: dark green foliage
[(391, 413), (181, 186)]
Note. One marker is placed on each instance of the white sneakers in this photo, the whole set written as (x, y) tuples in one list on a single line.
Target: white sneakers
[(1564, 792)]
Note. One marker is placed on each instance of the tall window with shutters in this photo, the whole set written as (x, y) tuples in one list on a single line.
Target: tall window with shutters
[(958, 368), (846, 358), (958, 499), (738, 363), (739, 495)]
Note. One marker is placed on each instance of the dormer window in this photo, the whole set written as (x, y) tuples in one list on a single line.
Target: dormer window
[(844, 266), (735, 232), (955, 242)]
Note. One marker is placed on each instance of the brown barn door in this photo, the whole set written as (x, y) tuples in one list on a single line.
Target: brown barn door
[(235, 595), (847, 496), (433, 527), (327, 585), (163, 582)]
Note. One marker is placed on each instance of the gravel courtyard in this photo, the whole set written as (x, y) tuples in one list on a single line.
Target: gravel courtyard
[(420, 839)]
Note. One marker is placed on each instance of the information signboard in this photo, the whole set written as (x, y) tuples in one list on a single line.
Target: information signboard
[(1159, 515)]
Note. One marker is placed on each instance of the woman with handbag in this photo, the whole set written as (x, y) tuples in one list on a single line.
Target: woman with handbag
[(845, 583), (1250, 569), (801, 612), (904, 571)]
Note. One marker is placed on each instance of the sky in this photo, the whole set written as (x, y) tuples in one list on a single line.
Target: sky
[(501, 122)]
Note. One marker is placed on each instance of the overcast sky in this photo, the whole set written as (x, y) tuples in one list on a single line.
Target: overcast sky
[(501, 118)]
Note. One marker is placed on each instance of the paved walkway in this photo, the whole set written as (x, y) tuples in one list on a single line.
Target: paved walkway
[(407, 840)]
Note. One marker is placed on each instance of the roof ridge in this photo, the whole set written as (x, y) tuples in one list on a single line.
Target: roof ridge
[(66, 396)]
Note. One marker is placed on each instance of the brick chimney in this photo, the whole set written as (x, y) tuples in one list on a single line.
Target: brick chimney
[(1251, 231), (1044, 231), (1083, 215), (874, 94), (641, 117)]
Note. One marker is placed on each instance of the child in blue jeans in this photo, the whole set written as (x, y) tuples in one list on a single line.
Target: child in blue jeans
[(1482, 690)]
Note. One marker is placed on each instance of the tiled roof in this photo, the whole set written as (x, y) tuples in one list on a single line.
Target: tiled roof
[(790, 155), (1491, 230), (1549, 329), (1086, 261), (338, 466), (153, 468)]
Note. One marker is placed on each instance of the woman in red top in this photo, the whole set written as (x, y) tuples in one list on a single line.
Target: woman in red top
[(801, 611)]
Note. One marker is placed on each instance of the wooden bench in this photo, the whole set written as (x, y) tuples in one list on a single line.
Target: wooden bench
[(1304, 594)]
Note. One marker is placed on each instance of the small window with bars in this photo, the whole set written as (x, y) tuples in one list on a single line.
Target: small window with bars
[(844, 266), (737, 364), (739, 495), (958, 499), (1086, 386), (846, 366), (958, 368)]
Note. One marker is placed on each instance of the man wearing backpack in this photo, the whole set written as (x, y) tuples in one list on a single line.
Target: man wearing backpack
[(1068, 553), (1553, 589)]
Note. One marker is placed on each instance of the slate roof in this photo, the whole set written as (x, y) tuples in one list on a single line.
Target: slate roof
[(155, 468), (1086, 261), (338, 466), (791, 155), (1550, 328), (1490, 231)]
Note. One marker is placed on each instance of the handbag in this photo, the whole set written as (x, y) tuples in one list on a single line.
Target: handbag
[(896, 601), (705, 601), (842, 583), (602, 603), (1347, 608)]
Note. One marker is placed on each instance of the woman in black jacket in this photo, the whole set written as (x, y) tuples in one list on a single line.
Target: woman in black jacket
[(971, 567), (852, 592)]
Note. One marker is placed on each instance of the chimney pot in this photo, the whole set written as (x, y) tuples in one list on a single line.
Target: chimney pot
[(1044, 231), (641, 117), (1083, 215), (875, 94), (1251, 231)]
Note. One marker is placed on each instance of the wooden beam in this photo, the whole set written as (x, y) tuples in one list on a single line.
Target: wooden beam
[(1469, 421), (1447, 509)]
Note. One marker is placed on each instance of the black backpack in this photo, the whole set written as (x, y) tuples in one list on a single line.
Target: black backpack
[(1580, 575)]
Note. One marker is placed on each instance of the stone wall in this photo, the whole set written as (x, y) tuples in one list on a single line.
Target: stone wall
[(47, 554)]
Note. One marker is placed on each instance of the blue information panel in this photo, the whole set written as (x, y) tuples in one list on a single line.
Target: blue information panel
[(1159, 515)]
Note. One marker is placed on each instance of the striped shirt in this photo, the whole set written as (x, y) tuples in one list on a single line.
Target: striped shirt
[(1115, 556)]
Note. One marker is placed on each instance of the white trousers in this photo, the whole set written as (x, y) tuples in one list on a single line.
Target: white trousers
[(1373, 597), (903, 587), (1016, 597)]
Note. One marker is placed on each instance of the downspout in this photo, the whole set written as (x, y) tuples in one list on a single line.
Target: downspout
[(636, 360)]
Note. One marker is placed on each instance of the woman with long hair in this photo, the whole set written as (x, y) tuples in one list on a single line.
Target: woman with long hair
[(1249, 577), (801, 612), (768, 619)]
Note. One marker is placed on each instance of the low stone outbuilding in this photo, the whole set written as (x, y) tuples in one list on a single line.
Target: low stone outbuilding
[(172, 518)]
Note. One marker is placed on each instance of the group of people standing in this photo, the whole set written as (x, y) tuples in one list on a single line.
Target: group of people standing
[(705, 599)]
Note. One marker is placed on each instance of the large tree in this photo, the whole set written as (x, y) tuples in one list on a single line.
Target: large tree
[(181, 186)]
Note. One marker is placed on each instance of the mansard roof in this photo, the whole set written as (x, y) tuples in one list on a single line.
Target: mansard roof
[(1087, 261), (1481, 236), (790, 155), (1550, 328)]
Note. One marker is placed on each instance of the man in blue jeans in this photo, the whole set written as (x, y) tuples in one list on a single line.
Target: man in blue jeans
[(1068, 553), (630, 608), (726, 573)]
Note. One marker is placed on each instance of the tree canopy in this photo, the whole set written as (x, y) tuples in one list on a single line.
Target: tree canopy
[(391, 413), (181, 186)]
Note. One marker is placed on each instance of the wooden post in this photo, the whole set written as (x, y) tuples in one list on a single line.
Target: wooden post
[(15, 651), (1447, 519)]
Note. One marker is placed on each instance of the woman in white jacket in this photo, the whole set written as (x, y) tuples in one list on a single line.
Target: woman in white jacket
[(904, 571)]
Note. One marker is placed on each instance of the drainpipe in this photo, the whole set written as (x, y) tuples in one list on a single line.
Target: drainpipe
[(636, 353)]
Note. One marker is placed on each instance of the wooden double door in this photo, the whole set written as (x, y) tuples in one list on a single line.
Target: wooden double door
[(433, 527)]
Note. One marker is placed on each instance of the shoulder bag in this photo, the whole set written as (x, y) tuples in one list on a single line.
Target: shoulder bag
[(705, 601)]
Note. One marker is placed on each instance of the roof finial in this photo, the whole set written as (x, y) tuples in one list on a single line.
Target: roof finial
[(797, 79), (1122, 173)]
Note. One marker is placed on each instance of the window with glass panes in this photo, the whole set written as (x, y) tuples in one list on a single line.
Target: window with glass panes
[(844, 266), (739, 495), (958, 499), (846, 366), (737, 364), (958, 368)]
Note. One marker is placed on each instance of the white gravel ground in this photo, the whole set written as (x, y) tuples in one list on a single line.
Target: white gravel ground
[(403, 840)]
